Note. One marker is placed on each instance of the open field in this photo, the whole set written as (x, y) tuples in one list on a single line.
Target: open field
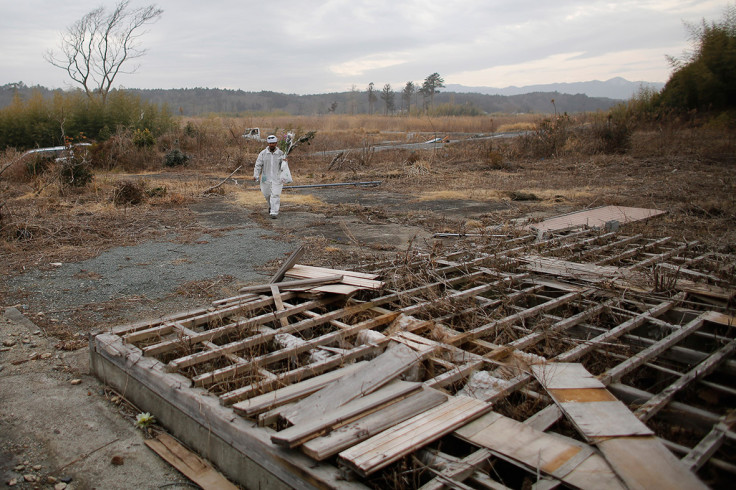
[(142, 240), (465, 186)]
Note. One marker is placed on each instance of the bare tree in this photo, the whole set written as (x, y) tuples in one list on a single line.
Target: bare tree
[(94, 49)]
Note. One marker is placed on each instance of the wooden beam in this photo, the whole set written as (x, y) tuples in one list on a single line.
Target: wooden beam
[(617, 372), (297, 283), (191, 465), (619, 330), (288, 264), (654, 404), (366, 427), (379, 371), (379, 451), (338, 416), (293, 392)]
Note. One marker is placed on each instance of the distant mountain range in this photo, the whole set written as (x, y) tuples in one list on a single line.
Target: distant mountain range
[(568, 97), (615, 88)]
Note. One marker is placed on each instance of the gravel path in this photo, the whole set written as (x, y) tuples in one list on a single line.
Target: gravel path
[(153, 272)]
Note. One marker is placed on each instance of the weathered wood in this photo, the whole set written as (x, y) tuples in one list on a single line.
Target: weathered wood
[(654, 404), (293, 392), (604, 419), (304, 372), (535, 450), (288, 264), (619, 330), (565, 375), (275, 356), (643, 462), (617, 372), (288, 285), (349, 277), (492, 327), (459, 471), (397, 359), (612, 427), (302, 432), (191, 465), (385, 448), (706, 448), (342, 438)]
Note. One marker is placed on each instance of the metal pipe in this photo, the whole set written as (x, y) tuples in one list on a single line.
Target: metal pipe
[(373, 182)]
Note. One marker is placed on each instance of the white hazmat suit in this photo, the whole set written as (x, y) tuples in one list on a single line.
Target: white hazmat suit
[(268, 167)]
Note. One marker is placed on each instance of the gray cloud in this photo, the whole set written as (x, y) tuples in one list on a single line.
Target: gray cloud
[(316, 47)]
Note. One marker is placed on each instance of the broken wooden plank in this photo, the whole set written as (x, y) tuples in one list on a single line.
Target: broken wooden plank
[(379, 451), (609, 424), (616, 373), (288, 285), (654, 404), (395, 360), (293, 392), (594, 218), (275, 356), (535, 450), (366, 427), (303, 372), (707, 446), (565, 375), (191, 465), (350, 278), (288, 264), (298, 434), (644, 462)]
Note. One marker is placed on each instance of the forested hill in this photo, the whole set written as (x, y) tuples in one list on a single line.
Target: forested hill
[(197, 101)]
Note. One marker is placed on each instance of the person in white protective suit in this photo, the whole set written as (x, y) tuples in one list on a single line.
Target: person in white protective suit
[(268, 169)]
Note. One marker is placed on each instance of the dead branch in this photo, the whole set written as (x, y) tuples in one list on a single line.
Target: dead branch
[(226, 179)]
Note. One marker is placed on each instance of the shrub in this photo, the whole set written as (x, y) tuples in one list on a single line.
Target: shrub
[(175, 158), (549, 139), (128, 192), (143, 138), (75, 172), (611, 135), (38, 165)]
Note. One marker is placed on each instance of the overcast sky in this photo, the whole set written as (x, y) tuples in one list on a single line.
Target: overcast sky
[(309, 47)]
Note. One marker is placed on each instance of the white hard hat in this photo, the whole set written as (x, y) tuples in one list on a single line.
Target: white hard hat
[(272, 139)]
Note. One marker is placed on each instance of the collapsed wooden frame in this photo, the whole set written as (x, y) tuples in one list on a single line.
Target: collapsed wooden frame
[(637, 312)]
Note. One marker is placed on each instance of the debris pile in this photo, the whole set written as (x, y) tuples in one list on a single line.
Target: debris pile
[(585, 358)]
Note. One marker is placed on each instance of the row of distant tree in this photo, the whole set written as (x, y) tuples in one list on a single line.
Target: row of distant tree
[(431, 86)]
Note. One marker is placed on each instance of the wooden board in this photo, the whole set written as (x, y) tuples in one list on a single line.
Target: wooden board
[(297, 435), (390, 445), (565, 375), (191, 465), (554, 455), (643, 462), (379, 371), (294, 392), (342, 438), (604, 419), (595, 218), (350, 278), (630, 447)]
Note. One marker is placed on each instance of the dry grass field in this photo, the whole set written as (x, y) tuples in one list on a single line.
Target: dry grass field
[(487, 176), (686, 171)]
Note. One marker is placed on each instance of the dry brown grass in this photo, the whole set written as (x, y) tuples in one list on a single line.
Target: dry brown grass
[(686, 171)]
